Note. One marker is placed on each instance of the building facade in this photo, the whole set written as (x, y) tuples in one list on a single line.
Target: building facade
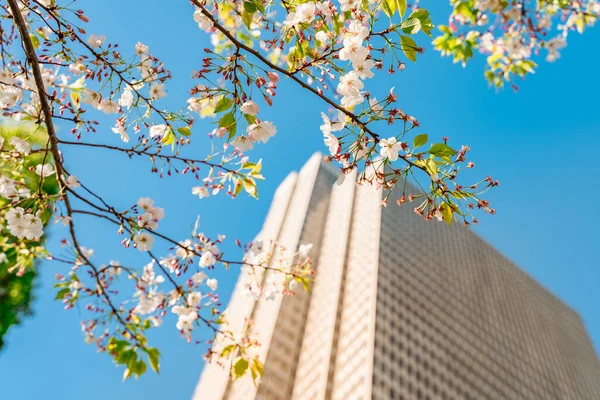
[(401, 308)]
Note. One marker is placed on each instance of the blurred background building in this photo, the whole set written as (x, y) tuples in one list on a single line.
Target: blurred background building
[(401, 309)]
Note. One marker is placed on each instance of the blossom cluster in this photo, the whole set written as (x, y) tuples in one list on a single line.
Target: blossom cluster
[(67, 77), (512, 33)]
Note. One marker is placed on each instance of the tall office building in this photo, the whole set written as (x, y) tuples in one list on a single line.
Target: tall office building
[(401, 309)]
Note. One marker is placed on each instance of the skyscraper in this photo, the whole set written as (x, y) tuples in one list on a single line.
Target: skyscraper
[(401, 308)]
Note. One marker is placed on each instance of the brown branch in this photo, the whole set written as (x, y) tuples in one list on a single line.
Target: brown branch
[(290, 75), (147, 153), (47, 116)]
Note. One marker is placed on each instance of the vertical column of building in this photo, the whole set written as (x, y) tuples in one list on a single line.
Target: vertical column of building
[(313, 371), (215, 378), (354, 358), (280, 322)]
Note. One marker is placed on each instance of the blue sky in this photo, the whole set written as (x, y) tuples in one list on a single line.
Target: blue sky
[(540, 143)]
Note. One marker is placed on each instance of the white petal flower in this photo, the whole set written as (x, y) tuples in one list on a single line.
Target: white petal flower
[(145, 203), (242, 143), (126, 99), (109, 107), (159, 130), (72, 182), (332, 143), (63, 219), (200, 191), (194, 299), (119, 129), (304, 250), (212, 284), (261, 132), (390, 148), (207, 259), (21, 145), (44, 170), (249, 108), (199, 277), (144, 241), (157, 91), (204, 22), (96, 41)]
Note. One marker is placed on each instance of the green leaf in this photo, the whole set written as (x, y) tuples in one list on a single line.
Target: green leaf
[(169, 138), (387, 7), (228, 349), (441, 150), (250, 187), (249, 7), (232, 130), (223, 104), (250, 118), (401, 5), (239, 368), (247, 18), (238, 187), (447, 212), (62, 293), (227, 120), (409, 47), (185, 131), (34, 40), (259, 5), (411, 25), (420, 140), (140, 368), (259, 366), (153, 355)]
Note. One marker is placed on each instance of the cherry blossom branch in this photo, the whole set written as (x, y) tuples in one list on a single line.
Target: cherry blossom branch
[(108, 64), (47, 113), (292, 76), (156, 154)]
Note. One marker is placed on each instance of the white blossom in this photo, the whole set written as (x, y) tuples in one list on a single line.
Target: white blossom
[(157, 91), (350, 87), (108, 107), (141, 49), (242, 143), (198, 278), (261, 132), (159, 130), (212, 284), (90, 97), (304, 250), (390, 148), (9, 96), (44, 170), (329, 127), (200, 191), (194, 299), (144, 241), (20, 145), (553, 46), (332, 143), (203, 21), (126, 99), (63, 219), (72, 182), (249, 108), (24, 225), (8, 187), (207, 259), (96, 41)]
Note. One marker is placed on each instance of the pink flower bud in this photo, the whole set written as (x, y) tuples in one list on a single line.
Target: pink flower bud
[(273, 77)]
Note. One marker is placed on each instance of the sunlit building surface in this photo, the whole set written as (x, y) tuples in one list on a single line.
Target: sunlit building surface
[(401, 309)]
